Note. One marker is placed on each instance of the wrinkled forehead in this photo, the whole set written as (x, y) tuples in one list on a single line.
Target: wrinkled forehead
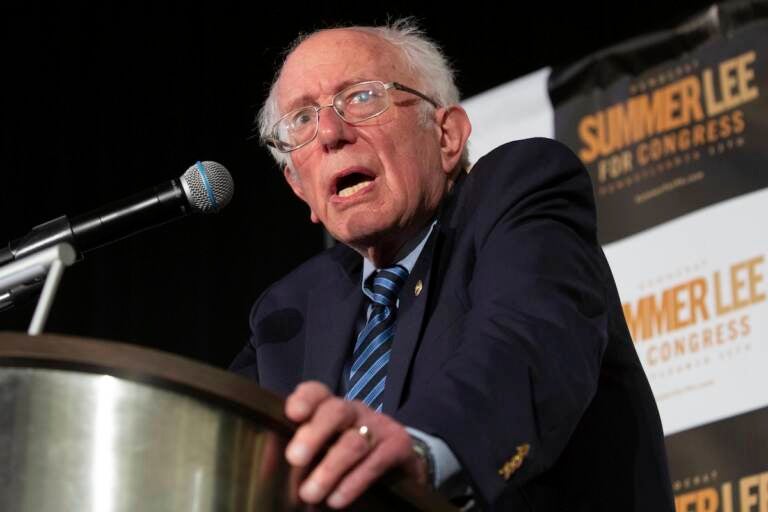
[(330, 60)]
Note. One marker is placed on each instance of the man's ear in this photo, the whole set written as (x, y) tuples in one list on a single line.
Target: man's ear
[(455, 128), (295, 183)]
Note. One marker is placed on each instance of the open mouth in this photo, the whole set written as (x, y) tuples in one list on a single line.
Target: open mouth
[(352, 183)]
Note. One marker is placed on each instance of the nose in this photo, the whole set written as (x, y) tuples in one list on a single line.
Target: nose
[(332, 131)]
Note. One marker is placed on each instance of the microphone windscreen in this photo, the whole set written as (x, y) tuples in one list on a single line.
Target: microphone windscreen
[(208, 186)]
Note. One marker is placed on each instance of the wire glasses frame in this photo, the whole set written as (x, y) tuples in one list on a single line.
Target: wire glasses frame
[(354, 104)]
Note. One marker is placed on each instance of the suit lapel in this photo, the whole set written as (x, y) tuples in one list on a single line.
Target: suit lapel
[(415, 309), (332, 311), (410, 316)]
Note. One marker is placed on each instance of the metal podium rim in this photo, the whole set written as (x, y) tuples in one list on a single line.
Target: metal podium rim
[(176, 373), (148, 366)]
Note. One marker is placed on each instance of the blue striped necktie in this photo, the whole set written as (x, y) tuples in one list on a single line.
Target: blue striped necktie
[(368, 374)]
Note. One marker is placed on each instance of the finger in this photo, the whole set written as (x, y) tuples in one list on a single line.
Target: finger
[(343, 455), (387, 455), (331, 417), (301, 404)]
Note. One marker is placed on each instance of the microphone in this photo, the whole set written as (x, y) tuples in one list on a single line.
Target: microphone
[(206, 187)]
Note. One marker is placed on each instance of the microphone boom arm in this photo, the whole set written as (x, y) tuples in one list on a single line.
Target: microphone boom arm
[(50, 263)]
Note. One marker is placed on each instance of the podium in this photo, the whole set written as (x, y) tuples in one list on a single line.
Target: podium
[(89, 425)]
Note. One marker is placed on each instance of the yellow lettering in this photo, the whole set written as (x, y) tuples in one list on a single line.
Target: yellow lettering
[(587, 129), (746, 498), (745, 74), (734, 86), (719, 307), (755, 278)]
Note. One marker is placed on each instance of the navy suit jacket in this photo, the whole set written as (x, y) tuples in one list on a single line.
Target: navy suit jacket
[(515, 352)]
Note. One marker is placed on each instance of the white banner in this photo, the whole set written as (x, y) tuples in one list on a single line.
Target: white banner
[(694, 295)]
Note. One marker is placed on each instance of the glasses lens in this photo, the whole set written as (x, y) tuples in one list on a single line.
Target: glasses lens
[(296, 128), (362, 101), (356, 103)]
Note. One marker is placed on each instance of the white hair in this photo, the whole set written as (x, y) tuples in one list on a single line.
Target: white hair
[(424, 58)]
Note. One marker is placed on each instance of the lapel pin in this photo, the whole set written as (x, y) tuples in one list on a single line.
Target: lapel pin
[(417, 289)]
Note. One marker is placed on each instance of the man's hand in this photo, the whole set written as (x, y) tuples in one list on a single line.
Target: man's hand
[(353, 462)]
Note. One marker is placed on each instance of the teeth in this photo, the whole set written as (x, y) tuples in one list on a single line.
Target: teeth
[(348, 191)]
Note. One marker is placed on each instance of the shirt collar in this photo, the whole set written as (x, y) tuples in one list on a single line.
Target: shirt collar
[(406, 257)]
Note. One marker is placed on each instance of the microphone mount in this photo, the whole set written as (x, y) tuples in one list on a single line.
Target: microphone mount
[(47, 264)]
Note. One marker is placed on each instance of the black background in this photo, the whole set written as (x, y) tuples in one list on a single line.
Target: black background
[(103, 100)]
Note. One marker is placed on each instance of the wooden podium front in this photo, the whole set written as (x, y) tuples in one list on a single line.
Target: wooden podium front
[(88, 425)]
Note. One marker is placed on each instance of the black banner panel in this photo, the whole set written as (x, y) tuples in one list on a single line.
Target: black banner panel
[(722, 466), (670, 123)]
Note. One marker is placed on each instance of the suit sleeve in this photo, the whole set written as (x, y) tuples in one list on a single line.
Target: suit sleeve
[(531, 342), (245, 362)]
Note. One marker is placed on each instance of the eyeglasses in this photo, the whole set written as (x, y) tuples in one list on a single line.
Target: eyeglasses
[(355, 104)]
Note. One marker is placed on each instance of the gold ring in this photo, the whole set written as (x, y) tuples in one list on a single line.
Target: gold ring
[(366, 433)]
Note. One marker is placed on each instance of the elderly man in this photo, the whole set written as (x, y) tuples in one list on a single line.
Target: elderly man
[(467, 330)]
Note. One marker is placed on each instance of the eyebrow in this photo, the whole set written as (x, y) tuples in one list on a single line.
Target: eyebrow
[(306, 99)]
